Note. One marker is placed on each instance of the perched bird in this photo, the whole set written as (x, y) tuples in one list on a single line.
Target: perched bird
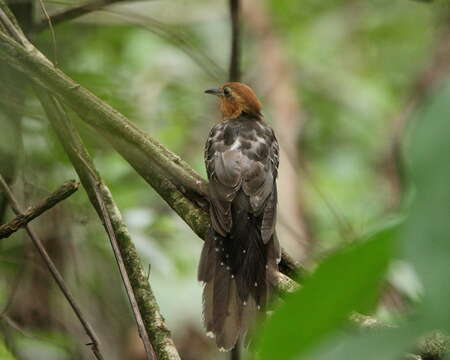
[(241, 251)]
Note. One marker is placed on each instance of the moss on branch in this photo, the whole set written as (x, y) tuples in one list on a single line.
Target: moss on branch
[(63, 192)]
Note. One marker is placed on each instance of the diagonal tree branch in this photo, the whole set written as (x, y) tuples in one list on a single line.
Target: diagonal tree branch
[(177, 183), (151, 325), (72, 12), (94, 344), (63, 192)]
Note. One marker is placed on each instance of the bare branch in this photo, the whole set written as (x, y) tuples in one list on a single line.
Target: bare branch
[(63, 192), (235, 56), (72, 12), (52, 31), (94, 342), (151, 326)]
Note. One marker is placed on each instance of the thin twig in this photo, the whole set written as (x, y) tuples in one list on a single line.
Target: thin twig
[(11, 323), (73, 12), (52, 31), (94, 342), (123, 272), (63, 192), (235, 55), (177, 39)]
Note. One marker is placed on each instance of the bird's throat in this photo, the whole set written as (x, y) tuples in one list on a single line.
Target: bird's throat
[(230, 109)]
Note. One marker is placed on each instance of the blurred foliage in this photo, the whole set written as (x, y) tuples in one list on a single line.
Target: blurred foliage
[(352, 64), (346, 281)]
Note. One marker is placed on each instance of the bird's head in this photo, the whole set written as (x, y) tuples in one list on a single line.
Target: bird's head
[(237, 99)]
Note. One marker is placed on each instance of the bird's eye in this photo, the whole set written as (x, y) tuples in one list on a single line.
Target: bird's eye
[(226, 91)]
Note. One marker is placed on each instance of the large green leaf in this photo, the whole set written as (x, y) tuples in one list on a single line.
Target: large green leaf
[(426, 238), (347, 281)]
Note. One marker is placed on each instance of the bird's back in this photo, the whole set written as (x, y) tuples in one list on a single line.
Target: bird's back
[(241, 157)]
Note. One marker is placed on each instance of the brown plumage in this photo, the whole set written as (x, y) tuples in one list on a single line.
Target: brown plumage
[(241, 157)]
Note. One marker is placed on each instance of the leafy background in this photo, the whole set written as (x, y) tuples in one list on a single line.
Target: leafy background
[(351, 67)]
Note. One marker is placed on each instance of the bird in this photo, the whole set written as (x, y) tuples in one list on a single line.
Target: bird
[(241, 250)]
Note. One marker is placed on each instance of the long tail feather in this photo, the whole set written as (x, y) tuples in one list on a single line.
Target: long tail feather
[(235, 269)]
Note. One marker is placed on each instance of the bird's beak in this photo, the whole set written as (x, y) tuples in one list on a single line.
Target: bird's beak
[(216, 92)]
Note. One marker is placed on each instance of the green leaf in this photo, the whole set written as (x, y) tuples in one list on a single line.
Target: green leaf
[(426, 238), (347, 281)]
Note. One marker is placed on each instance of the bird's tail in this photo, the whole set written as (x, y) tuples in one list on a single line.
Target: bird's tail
[(235, 271)]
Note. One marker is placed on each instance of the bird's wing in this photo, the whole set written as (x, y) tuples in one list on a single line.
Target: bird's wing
[(270, 209), (242, 155), (222, 166)]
